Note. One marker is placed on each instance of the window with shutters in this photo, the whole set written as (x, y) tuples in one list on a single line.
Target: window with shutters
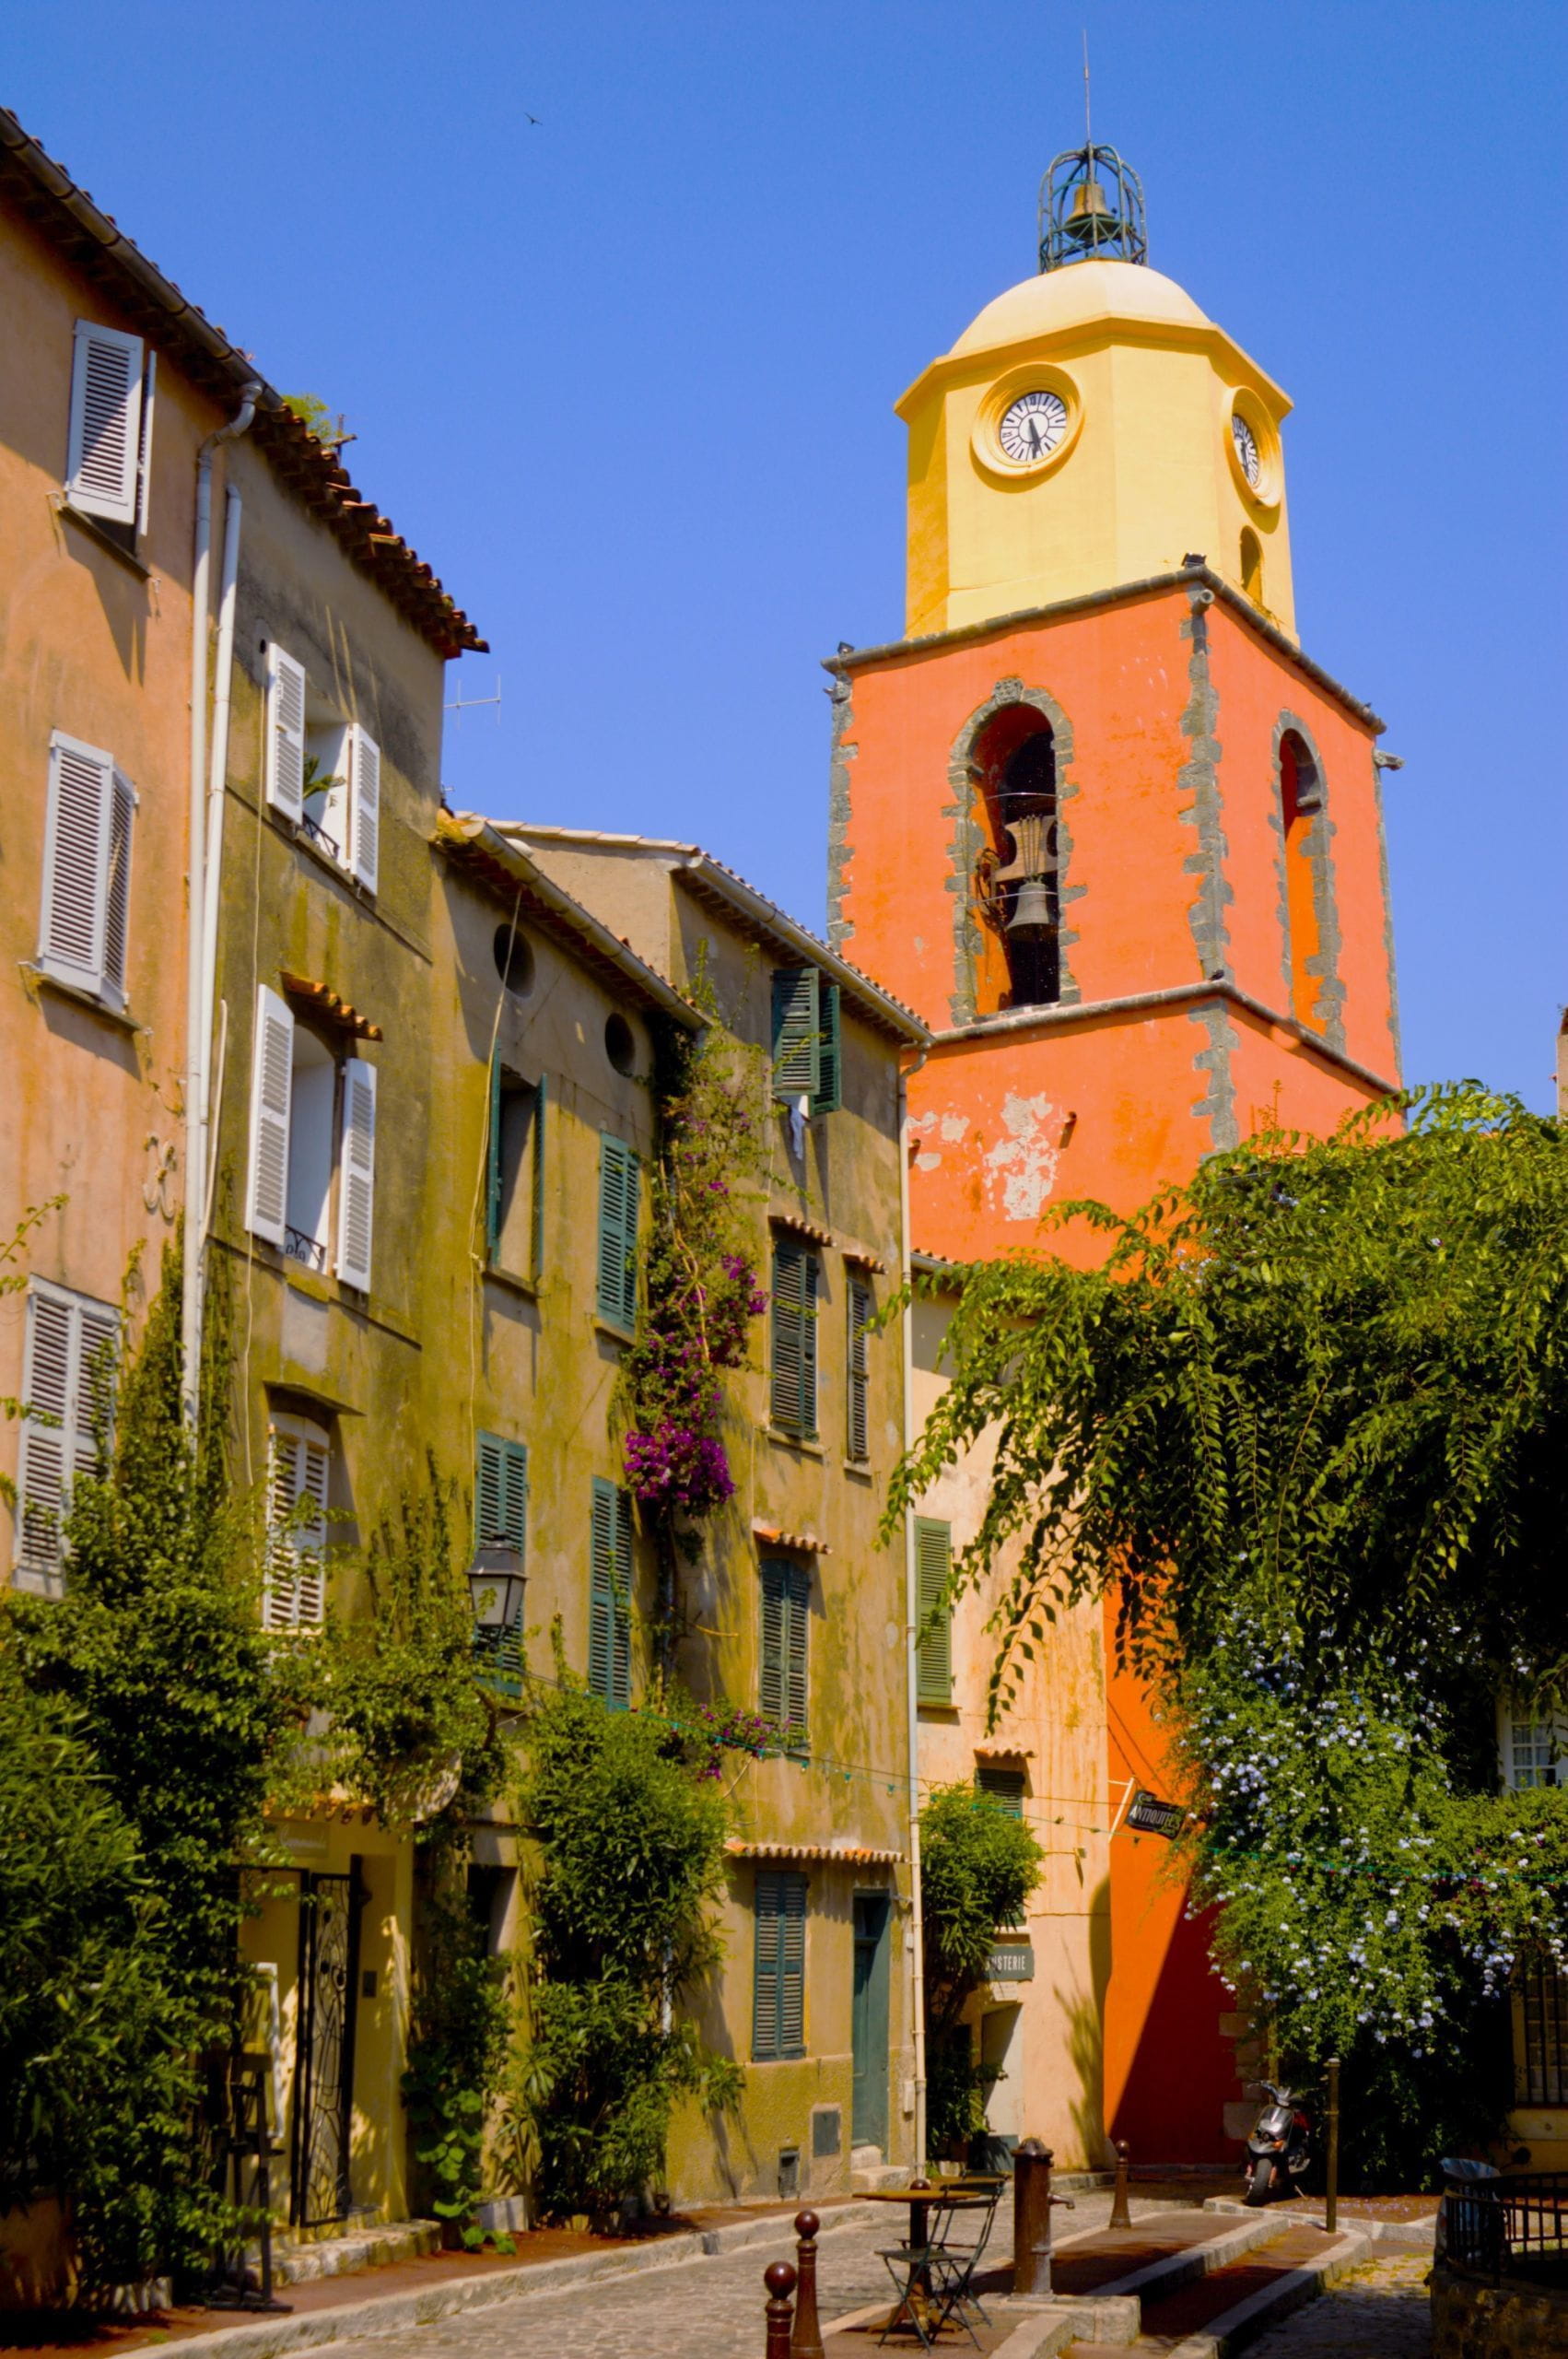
[(84, 924), (620, 1179), (298, 1483), (786, 1625), (67, 1397), (933, 1644), (779, 1988), (807, 1050), (312, 1146), (857, 1435), (323, 770), (794, 1301), (109, 430), (609, 1596), (515, 1197), (500, 1512), (1004, 1787), (1535, 1750)]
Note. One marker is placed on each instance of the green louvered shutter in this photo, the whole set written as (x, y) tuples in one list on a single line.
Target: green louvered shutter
[(798, 1591), (770, 1691), (829, 1094), (796, 1033), (536, 1268), (619, 1190), (933, 1563), (609, 1603), (1005, 1787), (779, 1987), (794, 1338), (493, 1166), (783, 1694), (500, 1512), (858, 1435)]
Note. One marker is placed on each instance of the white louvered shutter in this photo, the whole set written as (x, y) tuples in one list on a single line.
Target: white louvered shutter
[(295, 1597), (104, 444), (286, 733), (143, 463), (365, 805), (271, 1080), (67, 1393), (76, 863), (117, 887), (357, 1174)]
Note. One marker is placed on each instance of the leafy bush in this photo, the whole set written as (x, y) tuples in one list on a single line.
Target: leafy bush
[(979, 1862), (630, 1841)]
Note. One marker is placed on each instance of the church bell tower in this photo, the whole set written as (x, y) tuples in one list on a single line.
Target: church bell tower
[(1117, 838)]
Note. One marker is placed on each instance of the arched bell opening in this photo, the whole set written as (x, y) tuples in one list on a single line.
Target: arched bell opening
[(1252, 565), (1014, 764), (1301, 798)]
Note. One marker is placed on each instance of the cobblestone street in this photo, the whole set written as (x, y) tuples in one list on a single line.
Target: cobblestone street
[(1378, 2312)]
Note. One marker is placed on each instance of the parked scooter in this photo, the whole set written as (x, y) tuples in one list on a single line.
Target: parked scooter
[(1279, 2149)]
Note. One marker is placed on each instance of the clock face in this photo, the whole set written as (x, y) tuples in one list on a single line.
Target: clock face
[(1032, 427), (1246, 448)]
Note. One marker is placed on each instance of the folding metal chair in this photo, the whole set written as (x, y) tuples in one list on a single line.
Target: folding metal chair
[(953, 2268)]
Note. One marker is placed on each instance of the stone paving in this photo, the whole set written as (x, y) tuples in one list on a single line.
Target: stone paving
[(1379, 2311)]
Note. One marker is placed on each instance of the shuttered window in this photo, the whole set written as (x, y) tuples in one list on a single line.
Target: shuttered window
[(500, 1512), (357, 1174), (286, 735), (67, 1394), (1005, 1787), (84, 925), (619, 1190), (794, 1338), (104, 442), (363, 849), (515, 1158), (858, 1421), (272, 1075), (786, 1625), (778, 1999), (609, 1596), (807, 1053), (300, 1460), (933, 1654)]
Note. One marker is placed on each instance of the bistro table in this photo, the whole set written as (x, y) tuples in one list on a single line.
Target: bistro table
[(966, 2194)]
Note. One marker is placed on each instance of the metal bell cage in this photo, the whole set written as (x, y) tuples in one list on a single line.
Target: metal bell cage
[(1091, 209)]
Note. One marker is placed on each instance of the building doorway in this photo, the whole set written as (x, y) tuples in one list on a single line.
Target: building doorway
[(869, 2022), (328, 1992)]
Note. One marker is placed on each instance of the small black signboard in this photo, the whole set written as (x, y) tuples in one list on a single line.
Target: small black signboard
[(1149, 1815)]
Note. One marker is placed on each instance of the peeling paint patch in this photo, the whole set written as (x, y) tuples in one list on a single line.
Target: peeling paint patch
[(840, 852), (954, 1126), (1218, 1105), (1021, 1168), (927, 1161), (1198, 781)]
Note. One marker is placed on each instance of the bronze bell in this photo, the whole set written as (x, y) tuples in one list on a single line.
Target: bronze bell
[(1090, 216), (1032, 911), (1033, 864)]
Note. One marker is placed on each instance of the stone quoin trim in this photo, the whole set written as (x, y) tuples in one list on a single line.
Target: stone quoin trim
[(969, 838), (1198, 779), (1217, 1107), (840, 851), (1394, 1038)]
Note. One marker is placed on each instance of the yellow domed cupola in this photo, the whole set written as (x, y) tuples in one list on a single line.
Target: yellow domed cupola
[(1092, 427)]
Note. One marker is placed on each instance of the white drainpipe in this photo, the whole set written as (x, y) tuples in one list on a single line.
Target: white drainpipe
[(912, 1624), (203, 886)]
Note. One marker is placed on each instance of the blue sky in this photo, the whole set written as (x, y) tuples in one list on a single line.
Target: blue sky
[(624, 376)]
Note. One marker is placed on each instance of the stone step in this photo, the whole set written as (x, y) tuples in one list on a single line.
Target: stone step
[(299, 2262), (1220, 2313)]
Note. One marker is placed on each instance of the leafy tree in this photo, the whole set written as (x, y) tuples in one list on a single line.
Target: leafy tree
[(978, 1865), (156, 1666), (1308, 1418), (630, 1840)]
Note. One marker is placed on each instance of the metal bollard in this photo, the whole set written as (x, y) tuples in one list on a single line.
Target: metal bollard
[(1120, 2216), (805, 2342), (779, 2280), (1331, 2197), (1033, 2203)]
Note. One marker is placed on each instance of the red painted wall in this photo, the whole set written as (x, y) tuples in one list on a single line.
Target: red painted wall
[(1113, 1101)]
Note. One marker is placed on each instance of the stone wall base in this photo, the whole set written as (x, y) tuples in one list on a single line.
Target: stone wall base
[(1512, 2320)]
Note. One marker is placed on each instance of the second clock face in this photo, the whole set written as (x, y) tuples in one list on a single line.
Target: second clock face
[(1032, 427), (1246, 448)]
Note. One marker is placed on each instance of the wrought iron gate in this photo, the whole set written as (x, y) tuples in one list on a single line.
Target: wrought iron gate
[(323, 2066)]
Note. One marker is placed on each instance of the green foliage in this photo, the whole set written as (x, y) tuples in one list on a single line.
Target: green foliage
[(410, 1726), (1310, 1418), (314, 415), (631, 1844), (156, 1672), (462, 2020), (978, 1865)]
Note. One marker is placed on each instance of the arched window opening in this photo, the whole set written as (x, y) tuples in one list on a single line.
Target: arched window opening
[(1301, 797), (1252, 565), (1015, 875)]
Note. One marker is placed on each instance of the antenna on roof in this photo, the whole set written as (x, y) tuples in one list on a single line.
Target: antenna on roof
[(1088, 135), (459, 705)]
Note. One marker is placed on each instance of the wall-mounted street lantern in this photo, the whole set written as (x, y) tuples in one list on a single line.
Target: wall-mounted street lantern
[(496, 1583)]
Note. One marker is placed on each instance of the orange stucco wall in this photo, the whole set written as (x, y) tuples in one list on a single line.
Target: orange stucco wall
[(1167, 710)]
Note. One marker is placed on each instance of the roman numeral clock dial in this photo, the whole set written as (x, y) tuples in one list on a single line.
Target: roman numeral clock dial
[(1032, 427)]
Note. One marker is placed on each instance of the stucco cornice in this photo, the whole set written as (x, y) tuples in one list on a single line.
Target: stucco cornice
[(893, 650)]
